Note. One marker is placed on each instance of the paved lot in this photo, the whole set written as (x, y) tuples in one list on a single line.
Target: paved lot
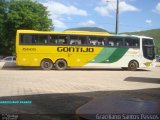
[(62, 92), (28, 82)]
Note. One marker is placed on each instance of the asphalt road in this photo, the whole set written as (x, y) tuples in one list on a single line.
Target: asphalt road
[(57, 94)]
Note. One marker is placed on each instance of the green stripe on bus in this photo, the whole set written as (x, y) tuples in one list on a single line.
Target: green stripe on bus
[(116, 55), (103, 55)]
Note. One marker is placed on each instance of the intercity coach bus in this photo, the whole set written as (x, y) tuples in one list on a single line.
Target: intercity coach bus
[(62, 50)]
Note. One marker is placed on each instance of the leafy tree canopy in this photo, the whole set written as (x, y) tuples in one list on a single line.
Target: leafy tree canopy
[(20, 14), (26, 14)]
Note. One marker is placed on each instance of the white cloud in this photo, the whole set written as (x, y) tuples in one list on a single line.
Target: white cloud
[(59, 23), (157, 9), (105, 8), (124, 7), (57, 9), (149, 22), (104, 11), (69, 18), (88, 23)]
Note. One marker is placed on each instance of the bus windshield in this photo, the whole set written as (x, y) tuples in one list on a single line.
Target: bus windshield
[(148, 49)]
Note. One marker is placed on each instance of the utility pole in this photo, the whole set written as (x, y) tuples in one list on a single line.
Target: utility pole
[(117, 16)]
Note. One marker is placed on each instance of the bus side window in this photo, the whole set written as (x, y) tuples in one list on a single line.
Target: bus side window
[(25, 39), (34, 39), (83, 40), (132, 42), (78, 40), (42, 39), (110, 42), (93, 41), (136, 42), (53, 39), (62, 40), (74, 40), (100, 41), (119, 41), (128, 42)]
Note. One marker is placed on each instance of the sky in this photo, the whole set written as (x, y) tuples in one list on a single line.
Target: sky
[(134, 15)]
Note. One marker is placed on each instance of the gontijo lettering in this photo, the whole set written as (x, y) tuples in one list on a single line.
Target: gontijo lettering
[(75, 49)]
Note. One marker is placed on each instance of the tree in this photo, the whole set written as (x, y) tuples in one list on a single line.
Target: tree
[(23, 14), (2, 13)]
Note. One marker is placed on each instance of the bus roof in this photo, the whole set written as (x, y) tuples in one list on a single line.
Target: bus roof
[(65, 32), (134, 36)]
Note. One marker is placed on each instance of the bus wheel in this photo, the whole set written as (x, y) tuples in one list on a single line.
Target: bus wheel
[(61, 64), (46, 64), (133, 65)]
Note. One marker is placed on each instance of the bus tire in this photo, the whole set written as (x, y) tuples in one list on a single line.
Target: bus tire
[(133, 65), (46, 64), (61, 64)]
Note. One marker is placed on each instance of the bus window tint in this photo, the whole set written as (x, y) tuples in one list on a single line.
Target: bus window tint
[(118, 42), (58, 39), (136, 42), (115, 41), (40, 39), (25, 39), (83, 40), (101, 40), (133, 42), (96, 41), (53, 39), (33, 39), (148, 42), (111, 42), (62, 40), (78, 40), (74, 40)]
